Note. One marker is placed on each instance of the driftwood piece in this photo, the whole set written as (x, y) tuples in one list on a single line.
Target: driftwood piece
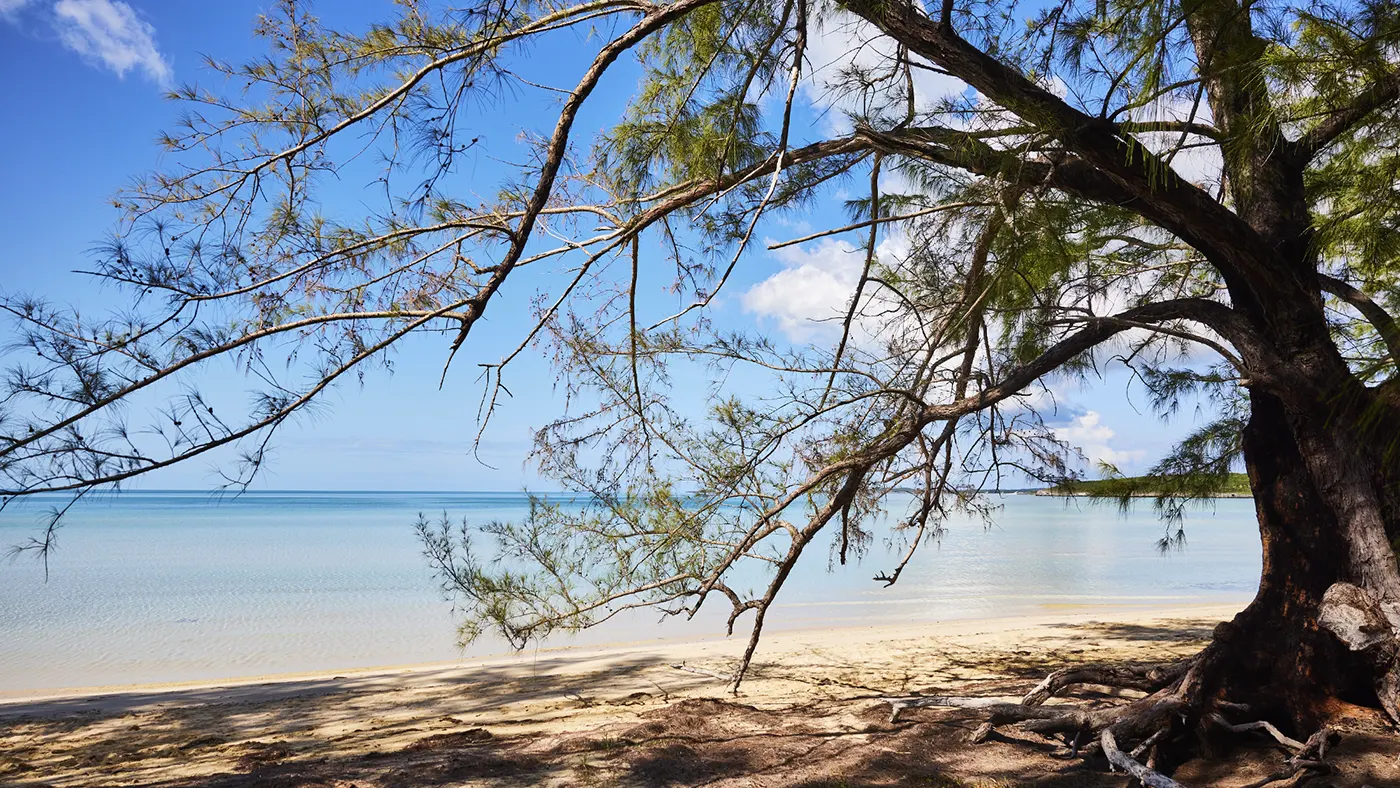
[(995, 706), (1139, 719), (1142, 724), (980, 735)]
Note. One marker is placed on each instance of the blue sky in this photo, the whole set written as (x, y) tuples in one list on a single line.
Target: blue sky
[(84, 84)]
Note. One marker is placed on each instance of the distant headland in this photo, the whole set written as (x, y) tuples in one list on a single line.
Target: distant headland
[(1236, 486)]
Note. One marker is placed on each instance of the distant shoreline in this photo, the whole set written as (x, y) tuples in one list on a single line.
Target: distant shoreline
[(1233, 485), (1051, 492)]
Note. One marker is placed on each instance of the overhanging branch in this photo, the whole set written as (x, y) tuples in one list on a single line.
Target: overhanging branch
[(1381, 93), (1158, 193), (1218, 317), (1374, 313)]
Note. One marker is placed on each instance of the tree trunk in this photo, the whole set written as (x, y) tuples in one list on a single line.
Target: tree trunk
[(1278, 655), (1275, 656)]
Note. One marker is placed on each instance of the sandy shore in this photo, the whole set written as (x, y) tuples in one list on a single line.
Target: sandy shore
[(644, 714), (578, 659)]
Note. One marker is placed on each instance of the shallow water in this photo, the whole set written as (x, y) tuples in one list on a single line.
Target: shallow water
[(160, 586)]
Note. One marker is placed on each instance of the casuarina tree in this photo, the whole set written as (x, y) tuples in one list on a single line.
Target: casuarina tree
[(1204, 190)]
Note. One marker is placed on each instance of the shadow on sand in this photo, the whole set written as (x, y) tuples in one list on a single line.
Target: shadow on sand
[(557, 724)]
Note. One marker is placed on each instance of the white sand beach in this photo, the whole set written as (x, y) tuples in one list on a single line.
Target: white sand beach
[(640, 713)]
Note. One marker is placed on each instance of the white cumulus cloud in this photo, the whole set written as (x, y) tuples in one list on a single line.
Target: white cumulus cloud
[(809, 298), (1091, 437), (111, 34), (811, 291)]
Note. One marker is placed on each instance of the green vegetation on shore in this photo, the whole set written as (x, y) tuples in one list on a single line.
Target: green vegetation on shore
[(1229, 486)]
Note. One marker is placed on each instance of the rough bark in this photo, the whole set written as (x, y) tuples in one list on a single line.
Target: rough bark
[(1280, 661)]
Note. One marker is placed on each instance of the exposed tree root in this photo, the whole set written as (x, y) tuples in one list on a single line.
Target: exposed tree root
[(1148, 678), (1144, 775), (1309, 756), (1176, 708), (1246, 727), (1365, 625)]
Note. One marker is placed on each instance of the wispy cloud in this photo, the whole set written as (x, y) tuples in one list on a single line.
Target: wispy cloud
[(809, 298), (11, 8), (841, 41), (109, 33)]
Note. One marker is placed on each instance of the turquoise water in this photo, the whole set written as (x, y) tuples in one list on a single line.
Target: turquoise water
[(160, 586)]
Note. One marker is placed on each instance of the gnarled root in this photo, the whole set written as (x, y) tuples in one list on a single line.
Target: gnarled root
[(1310, 755), (1129, 735), (1127, 763), (1148, 678)]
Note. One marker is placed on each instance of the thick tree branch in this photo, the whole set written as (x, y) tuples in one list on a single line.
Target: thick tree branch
[(1374, 313), (1378, 95), (1162, 196), (1218, 317), (1171, 127), (954, 148)]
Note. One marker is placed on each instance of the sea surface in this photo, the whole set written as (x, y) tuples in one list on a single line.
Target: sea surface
[(182, 586)]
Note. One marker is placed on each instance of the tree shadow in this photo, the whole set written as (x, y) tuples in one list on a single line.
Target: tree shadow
[(1164, 630), (274, 729), (488, 676), (690, 742)]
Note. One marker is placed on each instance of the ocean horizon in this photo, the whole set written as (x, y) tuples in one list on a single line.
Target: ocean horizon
[(181, 585)]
